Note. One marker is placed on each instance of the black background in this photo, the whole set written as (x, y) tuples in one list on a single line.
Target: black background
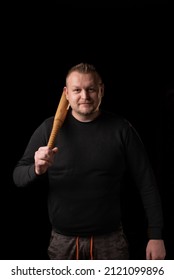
[(135, 59)]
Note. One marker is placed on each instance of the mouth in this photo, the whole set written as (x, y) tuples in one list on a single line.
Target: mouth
[(85, 103)]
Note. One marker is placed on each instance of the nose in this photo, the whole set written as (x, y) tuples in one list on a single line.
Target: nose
[(84, 94)]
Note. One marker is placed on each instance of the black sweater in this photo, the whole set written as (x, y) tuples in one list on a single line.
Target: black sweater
[(85, 179)]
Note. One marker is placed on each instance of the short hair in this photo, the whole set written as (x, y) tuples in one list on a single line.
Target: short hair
[(85, 68)]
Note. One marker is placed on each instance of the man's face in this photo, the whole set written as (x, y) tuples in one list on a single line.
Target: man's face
[(84, 93)]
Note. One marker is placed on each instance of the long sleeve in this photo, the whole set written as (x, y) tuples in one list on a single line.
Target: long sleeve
[(24, 173), (144, 178)]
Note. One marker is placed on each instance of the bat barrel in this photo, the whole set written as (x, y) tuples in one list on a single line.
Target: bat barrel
[(59, 118)]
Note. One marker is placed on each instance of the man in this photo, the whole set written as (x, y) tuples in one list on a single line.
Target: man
[(85, 169)]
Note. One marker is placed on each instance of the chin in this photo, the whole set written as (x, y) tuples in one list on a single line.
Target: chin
[(83, 113), (86, 111)]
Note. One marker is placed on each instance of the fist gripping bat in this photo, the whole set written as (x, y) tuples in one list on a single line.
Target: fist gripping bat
[(59, 118)]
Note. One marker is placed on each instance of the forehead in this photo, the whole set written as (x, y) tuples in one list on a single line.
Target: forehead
[(76, 78)]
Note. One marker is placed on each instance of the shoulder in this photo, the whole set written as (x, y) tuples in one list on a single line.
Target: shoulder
[(45, 125), (48, 121), (119, 125), (113, 118)]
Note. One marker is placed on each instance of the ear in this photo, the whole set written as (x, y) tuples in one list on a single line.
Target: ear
[(66, 92), (102, 90)]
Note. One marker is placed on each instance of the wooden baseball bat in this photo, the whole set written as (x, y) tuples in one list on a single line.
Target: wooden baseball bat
[(59, 118)]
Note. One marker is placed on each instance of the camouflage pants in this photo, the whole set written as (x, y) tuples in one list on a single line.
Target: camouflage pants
[(111, 246)]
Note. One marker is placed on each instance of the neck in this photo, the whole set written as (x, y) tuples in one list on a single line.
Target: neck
[(86, 118)]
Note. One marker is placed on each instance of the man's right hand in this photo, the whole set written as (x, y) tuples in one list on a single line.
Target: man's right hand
[(44, 158)]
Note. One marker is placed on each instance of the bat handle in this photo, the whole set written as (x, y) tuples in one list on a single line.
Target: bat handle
[(56, 126)]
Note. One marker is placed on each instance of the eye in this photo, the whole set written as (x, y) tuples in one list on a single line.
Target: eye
[(91, 89), (76, 90)]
